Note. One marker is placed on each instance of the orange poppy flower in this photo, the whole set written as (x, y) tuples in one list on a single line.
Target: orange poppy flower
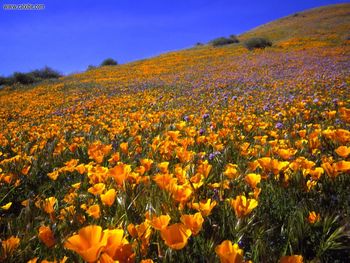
[(120, 172), (193, 222), (175, 236), (117, 247), (231, 171), (343, 151), (291, 259), (46, 236), (49, 204), (10, 245), (229, 253), (313, 217), (88, 243), (94, 211), (160, 222), (253, 179), (204, 206), (147, 163), (108, 198), (7, 206), (243, 206), (164, 181), (163, 167), (181, 193), (124, 147), (97, 189)]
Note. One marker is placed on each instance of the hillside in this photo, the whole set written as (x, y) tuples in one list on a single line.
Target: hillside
[(176, 157)]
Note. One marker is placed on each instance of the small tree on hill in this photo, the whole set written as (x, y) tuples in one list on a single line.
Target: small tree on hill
[(109, 62)]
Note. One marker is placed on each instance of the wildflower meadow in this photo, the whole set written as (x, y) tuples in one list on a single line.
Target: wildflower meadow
[(209, 154)]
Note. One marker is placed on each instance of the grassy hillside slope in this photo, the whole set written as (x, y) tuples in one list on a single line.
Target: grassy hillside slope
[(228, 145)]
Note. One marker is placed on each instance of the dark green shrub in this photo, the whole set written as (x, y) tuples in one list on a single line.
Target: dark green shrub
[(91, 67), (109, 62), (257, 42), (46, 73), (221, 41), (24, 78), (234, 38)]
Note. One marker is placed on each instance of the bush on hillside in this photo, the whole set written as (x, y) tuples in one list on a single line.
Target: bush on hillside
[(257, 42), (91, 67), (109, 62), (234, 38), (24, 78), (221, 41), (30, 77), (46, 73)]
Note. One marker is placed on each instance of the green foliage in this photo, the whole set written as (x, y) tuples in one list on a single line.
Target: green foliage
[(257, 42), (109, 62), (24, 78), (221, 41), (30, 77)]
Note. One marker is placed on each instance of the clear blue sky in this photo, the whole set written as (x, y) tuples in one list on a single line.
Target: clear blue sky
[(68, 35)]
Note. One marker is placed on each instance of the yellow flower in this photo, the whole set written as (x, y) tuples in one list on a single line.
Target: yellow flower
[(9, 245), (204, 206), (94, 211), (343, 151), (88, 243), (291, 259), (243, 206), (229, 253), (313, 217), (46, 236), (97, 189), (49, 204), (117, 247), (160, 222), (253, 179), (7, 206), (175, 236), (108, 198), (231, 171), (193, 222)]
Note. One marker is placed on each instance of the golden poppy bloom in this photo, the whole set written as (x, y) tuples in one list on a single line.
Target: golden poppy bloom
[(175, 236), (204, 206), (120, 172), (229, 253), (291, 259), (88, 243), (163, 167), (7, 206), (124, 147), (164, 181), (97, 151), (94, 211), (160, 222), (181, 193), (313, 217), (193, 222), (147, 163), (49, 204), (117, 247), (343, 151), (9, 245), (46, 236), (243, 206), (97, 189), (231, 171), (108, 198), (253, 179)]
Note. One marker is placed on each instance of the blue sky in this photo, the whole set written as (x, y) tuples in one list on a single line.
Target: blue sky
[(69, 35)]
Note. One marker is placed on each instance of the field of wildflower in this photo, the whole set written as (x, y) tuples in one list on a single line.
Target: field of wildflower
[(202, 155)]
